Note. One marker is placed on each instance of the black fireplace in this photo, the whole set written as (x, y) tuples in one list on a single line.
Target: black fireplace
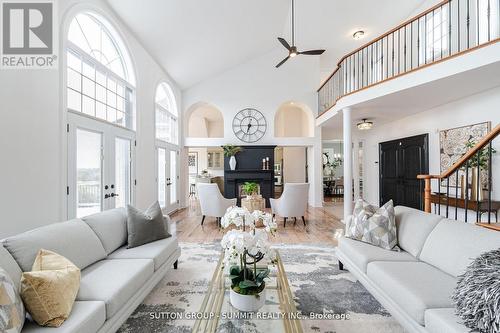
[(249, 168)]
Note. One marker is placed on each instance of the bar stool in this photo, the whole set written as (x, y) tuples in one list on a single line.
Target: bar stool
[(192, 190)]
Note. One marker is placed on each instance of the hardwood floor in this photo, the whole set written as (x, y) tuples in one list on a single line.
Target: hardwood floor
[(321, 227)]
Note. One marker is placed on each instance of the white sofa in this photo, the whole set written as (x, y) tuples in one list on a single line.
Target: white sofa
[(415, 285), (114, 279)]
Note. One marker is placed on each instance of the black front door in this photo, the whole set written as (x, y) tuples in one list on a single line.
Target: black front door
[(400, 162)]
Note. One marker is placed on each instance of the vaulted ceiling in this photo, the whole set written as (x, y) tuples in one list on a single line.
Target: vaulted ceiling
[(197, 39)]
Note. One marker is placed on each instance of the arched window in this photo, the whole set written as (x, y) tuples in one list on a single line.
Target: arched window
[(100, 79), (166, 114)]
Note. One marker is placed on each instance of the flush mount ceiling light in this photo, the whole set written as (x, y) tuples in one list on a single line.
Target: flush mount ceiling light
[(358, 34), (365, 125)]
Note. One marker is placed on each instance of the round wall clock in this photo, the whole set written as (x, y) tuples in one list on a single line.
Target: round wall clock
[(249, 125)]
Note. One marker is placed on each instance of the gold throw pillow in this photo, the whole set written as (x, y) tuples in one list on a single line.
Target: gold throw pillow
[(50, 289)]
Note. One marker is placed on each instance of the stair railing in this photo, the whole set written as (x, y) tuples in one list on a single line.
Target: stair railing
[(477, 165), (448, 29)]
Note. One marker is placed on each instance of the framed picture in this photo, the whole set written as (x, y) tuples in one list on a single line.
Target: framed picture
[(453, 145), (193, 163)]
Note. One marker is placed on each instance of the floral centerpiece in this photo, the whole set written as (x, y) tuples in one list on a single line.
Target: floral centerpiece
[(244, 246)]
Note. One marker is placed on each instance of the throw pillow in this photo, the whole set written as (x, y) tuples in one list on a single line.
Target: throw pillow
[(12, 312), (373, 225), (50, 289), (477, 294), (355, 224), (145, 227)]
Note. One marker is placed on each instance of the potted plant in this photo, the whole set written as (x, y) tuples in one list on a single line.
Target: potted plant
[(251, 189), (242, 251), (482, 164), (230, 151)]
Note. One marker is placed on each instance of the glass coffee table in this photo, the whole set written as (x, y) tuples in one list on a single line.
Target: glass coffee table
[(279, 314)]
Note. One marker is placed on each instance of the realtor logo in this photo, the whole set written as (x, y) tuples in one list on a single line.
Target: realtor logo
[(28, 35)]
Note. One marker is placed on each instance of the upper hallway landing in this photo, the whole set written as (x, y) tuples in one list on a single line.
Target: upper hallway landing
[(447, 52)]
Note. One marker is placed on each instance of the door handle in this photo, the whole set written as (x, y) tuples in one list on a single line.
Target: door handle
[(106, 196), (114, 195)]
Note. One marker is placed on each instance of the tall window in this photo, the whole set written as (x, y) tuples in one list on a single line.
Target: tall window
[(166, 114), (100, 82), (167, 139), (101, 117)]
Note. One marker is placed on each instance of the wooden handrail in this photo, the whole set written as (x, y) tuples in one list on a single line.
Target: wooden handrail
[(458, 164), (480, 145), (409, 21)]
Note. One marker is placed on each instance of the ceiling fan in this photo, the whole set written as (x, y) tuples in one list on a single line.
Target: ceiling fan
[(292, 50)]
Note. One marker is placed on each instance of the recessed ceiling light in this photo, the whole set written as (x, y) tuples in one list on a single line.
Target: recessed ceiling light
[(358, 34), (365, 125)]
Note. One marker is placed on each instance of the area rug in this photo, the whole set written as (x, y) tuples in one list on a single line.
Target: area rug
[(319, 288)]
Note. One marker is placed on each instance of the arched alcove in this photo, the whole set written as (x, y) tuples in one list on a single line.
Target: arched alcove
[(293, 119), (205, 121)]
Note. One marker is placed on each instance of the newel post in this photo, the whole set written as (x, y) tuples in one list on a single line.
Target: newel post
[(427, 192)]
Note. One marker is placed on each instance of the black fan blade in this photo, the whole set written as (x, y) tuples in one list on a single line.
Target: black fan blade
[(313, 52), (282, 62), (285, 43)]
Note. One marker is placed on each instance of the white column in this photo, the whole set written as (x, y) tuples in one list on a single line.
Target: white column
[(346, 116), (355, 168), (315, 170)]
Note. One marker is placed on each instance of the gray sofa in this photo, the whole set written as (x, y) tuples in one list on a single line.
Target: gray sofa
[(114, 279), (415, 285)]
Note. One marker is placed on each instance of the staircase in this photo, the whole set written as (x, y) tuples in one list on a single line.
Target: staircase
[(470, 197)]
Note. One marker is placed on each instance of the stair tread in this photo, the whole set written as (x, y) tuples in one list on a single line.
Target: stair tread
[(493, 226)]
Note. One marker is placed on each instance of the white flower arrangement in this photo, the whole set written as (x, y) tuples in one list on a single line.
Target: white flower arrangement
[(267, 219), (240, 217), (240, 245)]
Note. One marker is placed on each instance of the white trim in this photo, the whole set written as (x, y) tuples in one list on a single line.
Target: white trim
[(99, 120)]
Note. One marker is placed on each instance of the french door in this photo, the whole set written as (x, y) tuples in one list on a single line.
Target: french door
[(400, 161), (167, 178), (100, 166)]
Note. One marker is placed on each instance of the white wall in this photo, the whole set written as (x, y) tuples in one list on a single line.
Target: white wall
[(33, 139), (470, 110), (294, 164), (258, 84), (292, 121), (205, 121)]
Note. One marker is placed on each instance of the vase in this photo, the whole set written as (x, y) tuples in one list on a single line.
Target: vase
[(463, 188), (247, 303), (232, 163), (475, 194)]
